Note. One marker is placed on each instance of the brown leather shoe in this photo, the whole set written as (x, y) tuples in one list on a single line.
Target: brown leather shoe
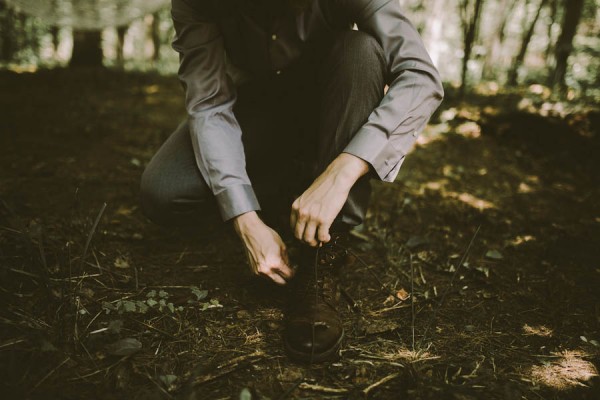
[(313, 328)]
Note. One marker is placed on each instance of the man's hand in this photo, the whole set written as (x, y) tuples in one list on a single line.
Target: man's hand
[(265, 250), (314, 211)]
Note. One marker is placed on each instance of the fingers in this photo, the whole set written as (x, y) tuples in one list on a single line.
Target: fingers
[(299, 229), (298, 220), (277, 278), (285, 269), (303, 225), (323, 235), (278, 270), (309, 233), (294, 216)]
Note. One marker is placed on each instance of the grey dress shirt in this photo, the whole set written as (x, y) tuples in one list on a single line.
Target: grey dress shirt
[(209, 38)]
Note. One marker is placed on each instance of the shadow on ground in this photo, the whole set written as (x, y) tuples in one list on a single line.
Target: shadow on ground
[(143, 313)]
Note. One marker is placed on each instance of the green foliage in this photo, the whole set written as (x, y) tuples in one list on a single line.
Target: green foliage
[(27, 42), (158, 301)]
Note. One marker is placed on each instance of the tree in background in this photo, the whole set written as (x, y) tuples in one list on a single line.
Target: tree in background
[(433, 31), (496, 41), (7, 33), (564, 45), (526, 39), (19, 35), (155, 36), (470, 12), (553, 5), (87, 49), (120, 50)]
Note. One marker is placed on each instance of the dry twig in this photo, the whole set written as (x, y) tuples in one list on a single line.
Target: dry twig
[(322, 389), (380, 382), (228, 367), (91, 234)]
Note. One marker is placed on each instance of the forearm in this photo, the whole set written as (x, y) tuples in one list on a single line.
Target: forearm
[(346, 169)]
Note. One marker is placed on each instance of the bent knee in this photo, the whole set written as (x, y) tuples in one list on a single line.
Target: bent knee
[(154, 198), (174, 202)]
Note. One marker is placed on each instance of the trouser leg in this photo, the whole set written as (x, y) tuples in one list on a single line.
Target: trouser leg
[(351, 81), (172, 190)]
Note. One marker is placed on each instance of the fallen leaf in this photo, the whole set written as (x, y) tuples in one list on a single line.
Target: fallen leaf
[(121, 262), (494, 255), (125, 211), (402, 295), (115, 326), (200, 294), (245, 394), (415, 241), (124, 347), (168, 380)]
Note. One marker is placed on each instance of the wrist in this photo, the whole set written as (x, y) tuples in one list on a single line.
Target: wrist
[(244, 222)]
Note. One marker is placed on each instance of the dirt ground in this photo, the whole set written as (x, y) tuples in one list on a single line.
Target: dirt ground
[(98, 303)]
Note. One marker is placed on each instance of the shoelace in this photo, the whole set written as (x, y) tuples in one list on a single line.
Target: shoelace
[(319, 282)]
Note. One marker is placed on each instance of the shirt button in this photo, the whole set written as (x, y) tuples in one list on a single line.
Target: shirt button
[(415, 134), (274, 37)]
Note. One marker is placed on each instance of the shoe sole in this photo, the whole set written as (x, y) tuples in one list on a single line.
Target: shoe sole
[(328, 355)]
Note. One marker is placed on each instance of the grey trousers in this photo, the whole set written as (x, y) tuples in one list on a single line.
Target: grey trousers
[(293, 126)]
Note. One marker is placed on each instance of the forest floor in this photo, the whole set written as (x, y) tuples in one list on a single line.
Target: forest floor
[(126, 309)]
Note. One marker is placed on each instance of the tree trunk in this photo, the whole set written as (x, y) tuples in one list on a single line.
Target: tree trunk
[(54, 32), (121, 32), (433, 32), (493, 58), (518, 61), (7, 45), (551, 22), (87, 49), (155, 32), (470, 28), (564, 45)]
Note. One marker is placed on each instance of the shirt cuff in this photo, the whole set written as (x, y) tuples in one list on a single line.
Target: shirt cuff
[(236, 200), (376, 150)]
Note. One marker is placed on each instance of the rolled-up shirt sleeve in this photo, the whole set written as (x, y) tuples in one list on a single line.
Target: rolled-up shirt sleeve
[(415, 89), (210, 96)]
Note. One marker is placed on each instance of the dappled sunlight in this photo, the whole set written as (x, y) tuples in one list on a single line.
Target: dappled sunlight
[(151, 89), (524, 188), (408, 355), (538, 330), (22, 69), (469, 129), (466, 198), (521, 239), (530, 184), (432, 133), (433, 185), (487, 88), (471, 200), (540, 90), (569, 370)]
